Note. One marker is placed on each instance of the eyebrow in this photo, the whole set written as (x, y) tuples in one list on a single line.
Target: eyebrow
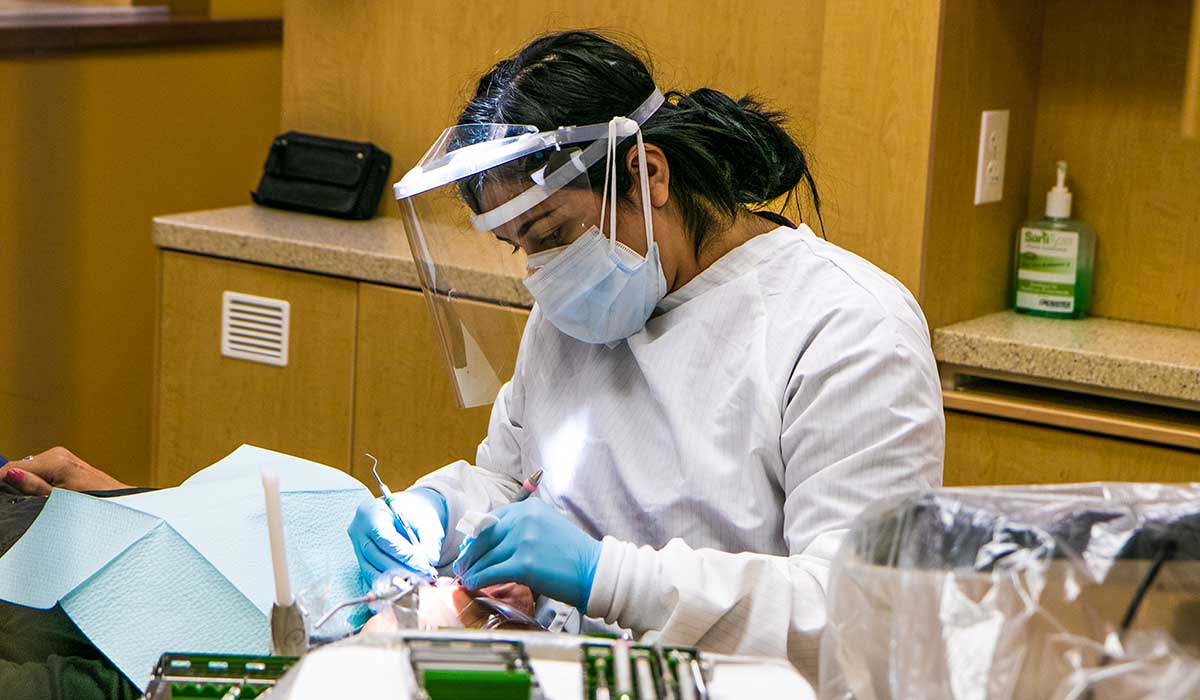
[(522, 229)]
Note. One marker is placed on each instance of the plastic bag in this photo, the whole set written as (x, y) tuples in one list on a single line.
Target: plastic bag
[(1016, 592)]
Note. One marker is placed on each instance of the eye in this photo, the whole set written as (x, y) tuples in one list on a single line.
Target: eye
[(555, 238)]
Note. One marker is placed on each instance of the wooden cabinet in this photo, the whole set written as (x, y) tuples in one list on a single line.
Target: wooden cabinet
[(1115, 118), (982, 450), (365, 374), (208, 404), (364, 371), (404, 409)]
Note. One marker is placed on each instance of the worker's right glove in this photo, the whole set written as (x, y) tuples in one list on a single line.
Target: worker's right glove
[(380, 545), (533, 544)]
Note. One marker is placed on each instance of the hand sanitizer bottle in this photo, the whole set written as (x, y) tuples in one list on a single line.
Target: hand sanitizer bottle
[(1054, 257)]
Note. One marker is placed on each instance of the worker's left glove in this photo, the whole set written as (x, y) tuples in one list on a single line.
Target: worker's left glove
[(535, 545), (379, 544)]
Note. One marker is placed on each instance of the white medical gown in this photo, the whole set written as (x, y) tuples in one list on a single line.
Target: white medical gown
[(722, 451)]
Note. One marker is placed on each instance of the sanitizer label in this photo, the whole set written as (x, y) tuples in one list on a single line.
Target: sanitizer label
[(1046, 269)]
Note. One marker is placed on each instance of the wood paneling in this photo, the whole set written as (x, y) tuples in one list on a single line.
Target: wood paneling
[(398, 73), (95, 144), (1091, 414), (982, 450), (1191, 88), (208, 404), (87, 34), (404, 407), (1110, 105), (1113, 115), (887, 94), (873, 128), (989, 60)]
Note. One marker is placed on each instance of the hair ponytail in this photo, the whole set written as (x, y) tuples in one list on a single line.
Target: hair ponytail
[(740, 155), (725, 155)]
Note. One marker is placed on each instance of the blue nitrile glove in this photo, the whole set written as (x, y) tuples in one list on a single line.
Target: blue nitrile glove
[(535, 545), (380, 545)]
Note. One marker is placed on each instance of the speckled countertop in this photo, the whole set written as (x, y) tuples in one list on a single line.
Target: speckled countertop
[(370, 251), (1156, 361)]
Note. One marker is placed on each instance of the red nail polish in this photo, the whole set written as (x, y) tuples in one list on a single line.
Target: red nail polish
[(15, 477)]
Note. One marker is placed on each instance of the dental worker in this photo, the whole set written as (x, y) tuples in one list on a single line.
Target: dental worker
[(712, 392)]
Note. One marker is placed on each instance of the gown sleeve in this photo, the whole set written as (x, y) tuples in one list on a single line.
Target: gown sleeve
[(498, 472), (862, 418)]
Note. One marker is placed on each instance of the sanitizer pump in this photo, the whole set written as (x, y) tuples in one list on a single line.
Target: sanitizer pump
[(1054, 259)]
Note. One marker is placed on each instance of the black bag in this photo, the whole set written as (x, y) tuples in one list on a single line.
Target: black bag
[(321, 175)]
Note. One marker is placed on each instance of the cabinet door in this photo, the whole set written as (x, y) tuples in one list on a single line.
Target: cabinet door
[(404, 408), (982, 450), (208, 404)]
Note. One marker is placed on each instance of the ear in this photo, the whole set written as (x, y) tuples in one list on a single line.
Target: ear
[(658, 172)]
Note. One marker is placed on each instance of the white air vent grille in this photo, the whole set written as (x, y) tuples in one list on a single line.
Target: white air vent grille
[(255, 328)]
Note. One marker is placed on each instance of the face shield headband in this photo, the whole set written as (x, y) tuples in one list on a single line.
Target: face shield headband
[(442, 202), (604, 138), (444, 163)]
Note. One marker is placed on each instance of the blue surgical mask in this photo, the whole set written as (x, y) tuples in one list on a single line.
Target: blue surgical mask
[(597, 289)]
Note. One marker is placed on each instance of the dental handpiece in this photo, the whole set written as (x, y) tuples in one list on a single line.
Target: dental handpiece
[(529, 487)]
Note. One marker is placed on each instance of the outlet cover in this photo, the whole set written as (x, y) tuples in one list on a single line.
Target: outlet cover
[(989, 167)]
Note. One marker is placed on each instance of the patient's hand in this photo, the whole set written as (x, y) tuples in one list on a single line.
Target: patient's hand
[(57, 467)]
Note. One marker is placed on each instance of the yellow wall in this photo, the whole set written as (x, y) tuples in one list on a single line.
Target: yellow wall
[(1114, 116), (855, 78), (364, 70), (989, 60), (399, 72), (873, 132), (94, 145)]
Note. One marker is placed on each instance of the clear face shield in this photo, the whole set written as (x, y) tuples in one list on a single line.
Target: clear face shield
[(481, 196)]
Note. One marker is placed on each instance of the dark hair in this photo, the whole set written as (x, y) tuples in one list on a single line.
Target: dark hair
[(724, 154)]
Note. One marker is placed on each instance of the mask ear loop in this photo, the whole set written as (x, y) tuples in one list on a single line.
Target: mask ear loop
[(610, 179), (610, 175), (604, 192), (644, 179)]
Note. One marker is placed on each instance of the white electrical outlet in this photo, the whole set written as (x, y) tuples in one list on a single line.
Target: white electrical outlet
[(993, 143)]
